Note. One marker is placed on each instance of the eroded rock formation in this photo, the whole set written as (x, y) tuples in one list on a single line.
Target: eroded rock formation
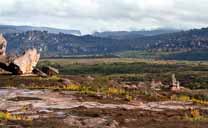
[(27, 61), (18, 65), (3, 44)]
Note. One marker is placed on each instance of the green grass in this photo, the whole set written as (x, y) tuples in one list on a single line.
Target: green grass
[(190, 55), (142, 54), (195, 55)]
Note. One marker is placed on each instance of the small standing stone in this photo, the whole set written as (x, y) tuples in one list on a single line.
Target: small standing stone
[(175, 84)]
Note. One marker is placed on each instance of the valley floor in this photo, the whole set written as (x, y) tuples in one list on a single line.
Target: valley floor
[(87, 97)]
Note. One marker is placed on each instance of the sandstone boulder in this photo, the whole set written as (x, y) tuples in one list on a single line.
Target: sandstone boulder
[(27, 61), (3, 44), (50, 71), (39, 72), (23, 64), (17, 65)]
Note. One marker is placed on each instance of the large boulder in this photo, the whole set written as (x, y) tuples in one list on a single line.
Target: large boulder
[(3, 44), (27, 61), (22, 64), (18, 65)]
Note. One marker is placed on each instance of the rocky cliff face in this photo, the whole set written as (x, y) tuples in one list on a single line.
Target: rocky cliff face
[(53, 45), (61, 45)]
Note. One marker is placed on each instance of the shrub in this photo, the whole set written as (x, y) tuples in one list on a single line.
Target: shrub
[(129, 98), (72, 87), (184, 98), (195, 113), (115, 91), (9, 116), (195, 116)]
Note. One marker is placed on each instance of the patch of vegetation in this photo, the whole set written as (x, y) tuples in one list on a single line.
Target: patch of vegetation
[(144, 54), (190, 55), (117, 68), (9, 116), (187, 98), (195, 116)]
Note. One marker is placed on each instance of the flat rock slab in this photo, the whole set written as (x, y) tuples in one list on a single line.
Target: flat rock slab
[(49, 101)]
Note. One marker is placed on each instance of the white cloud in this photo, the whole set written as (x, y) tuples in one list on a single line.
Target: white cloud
[(91, 15)]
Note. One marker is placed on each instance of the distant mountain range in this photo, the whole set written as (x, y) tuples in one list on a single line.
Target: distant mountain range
[(183, 45), (133, 34), (20, 29)]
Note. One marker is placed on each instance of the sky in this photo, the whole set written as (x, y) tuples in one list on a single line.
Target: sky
[(106, 15)]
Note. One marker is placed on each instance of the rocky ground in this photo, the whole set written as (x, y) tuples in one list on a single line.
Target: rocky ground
[(22, 107)]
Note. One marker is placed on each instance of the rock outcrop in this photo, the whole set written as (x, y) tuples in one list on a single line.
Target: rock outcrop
[(27, 61), (18, 65), (3, 44)]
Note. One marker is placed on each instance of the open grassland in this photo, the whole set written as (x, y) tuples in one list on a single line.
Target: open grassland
[(166, 55), (89, 61), (191, 74)]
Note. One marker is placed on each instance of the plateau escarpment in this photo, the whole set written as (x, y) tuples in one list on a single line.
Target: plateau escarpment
[(178, 45)]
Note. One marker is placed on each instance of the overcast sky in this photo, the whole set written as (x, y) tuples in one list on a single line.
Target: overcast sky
[(101, 15)]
